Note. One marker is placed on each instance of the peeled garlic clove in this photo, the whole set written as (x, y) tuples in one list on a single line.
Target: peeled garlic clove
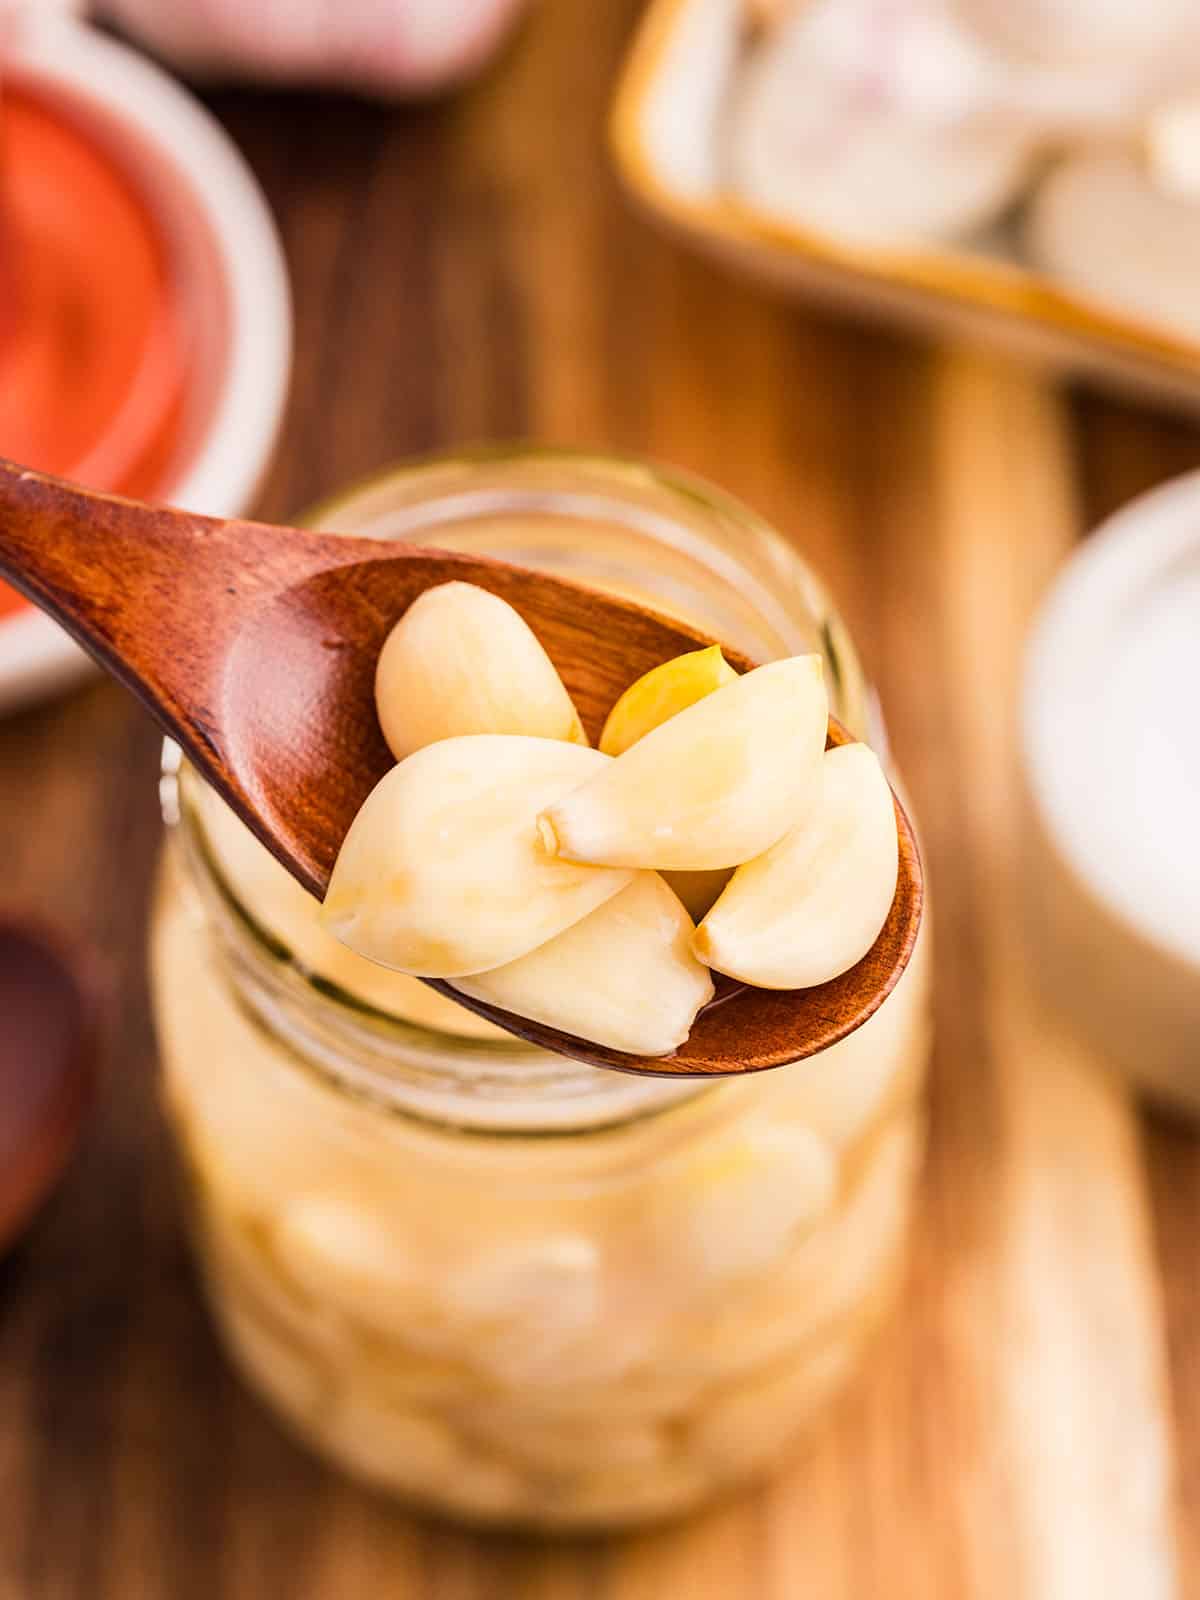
[(1077, 34), (442, 874), (1173, 146), (461, 660), (344, 1256), (661, 693), (546, 1283), (813, 905), (712, 787), (699, 891), (852, 120), (293, 917), (743, 1200), (524, 1307), (1080, 227), (624, 977)]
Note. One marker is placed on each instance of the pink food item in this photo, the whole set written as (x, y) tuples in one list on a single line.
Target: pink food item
[(384, 47)]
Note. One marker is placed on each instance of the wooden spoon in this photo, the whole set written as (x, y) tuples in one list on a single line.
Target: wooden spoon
[(46, 1071), (255, 648)]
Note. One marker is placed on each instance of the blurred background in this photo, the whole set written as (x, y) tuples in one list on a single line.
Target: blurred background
[(919, 283)]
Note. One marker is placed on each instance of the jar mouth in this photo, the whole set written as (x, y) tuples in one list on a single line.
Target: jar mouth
[(614, 521)]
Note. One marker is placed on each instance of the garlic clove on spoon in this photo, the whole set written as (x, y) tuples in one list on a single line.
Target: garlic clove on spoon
[(624, 976), (442, 873), (461, 660), (662, 693), (814, 904), (712, 787)]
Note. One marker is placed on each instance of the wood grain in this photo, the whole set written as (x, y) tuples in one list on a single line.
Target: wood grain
[(1031, 1427)]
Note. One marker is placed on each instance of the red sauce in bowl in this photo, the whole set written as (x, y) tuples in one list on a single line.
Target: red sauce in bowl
[(93, 342)]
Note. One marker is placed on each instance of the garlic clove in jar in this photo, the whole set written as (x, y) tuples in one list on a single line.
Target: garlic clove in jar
[(1100, 227), (741, 1201), (442, 873), (461, 660), (624, 976), (662, 693), (526, 1307), (814, 904), (712, 787), (341, 1254)]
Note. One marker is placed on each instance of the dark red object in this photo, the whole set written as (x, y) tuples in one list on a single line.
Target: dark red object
[(94, 347), (47, 1065)]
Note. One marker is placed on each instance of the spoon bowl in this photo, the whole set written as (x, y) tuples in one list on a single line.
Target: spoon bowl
[(255, 648)]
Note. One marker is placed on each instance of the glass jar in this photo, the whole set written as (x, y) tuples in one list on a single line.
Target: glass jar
[(497, 1283)]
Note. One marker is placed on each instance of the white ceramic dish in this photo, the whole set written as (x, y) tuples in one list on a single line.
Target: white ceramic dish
[(664, 138), (221, 229), (1111, 743)]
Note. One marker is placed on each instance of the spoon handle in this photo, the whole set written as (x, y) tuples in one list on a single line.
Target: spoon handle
[(136, 586), (156, 595)]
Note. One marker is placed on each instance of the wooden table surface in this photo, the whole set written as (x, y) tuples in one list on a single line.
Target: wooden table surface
[(1032, 1426)]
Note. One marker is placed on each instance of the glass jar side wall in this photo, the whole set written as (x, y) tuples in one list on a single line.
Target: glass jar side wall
[(572, 1329), (470, 1321)]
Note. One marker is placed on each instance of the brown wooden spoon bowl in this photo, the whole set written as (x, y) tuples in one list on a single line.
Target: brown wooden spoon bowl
[(255, 648)]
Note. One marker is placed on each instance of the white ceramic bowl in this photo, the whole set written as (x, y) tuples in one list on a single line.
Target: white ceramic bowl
[(218, 222), (1111, 743)]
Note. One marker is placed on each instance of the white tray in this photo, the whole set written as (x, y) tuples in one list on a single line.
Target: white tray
[(663, 136)]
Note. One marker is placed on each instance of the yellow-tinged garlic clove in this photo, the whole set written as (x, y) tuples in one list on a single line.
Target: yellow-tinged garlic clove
[(624, 977), (712, 787), (461, 660), (662, 693), (657, 696), (442, 874), (814, 904)]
